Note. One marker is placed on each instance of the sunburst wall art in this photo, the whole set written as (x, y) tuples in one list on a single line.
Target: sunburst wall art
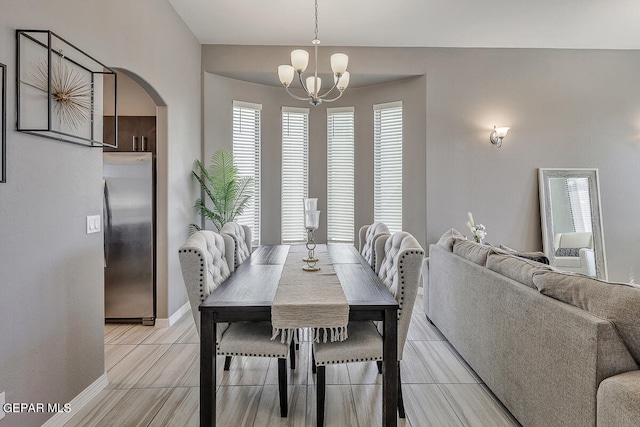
[(61, 89), (70, 90)]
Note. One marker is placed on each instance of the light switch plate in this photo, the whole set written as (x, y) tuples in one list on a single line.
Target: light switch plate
[(93, 224)]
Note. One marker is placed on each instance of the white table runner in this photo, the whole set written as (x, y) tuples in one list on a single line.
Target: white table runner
[(309, 299)]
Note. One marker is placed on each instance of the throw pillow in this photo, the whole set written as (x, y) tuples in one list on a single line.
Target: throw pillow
[(446, 240), (474, 252), (568, 251), (516, 268), (533, 256), (616, 302)]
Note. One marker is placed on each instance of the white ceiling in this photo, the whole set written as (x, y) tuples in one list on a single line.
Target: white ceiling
[(579, 24)]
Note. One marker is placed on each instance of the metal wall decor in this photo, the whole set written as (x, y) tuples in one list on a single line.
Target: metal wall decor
[(3, 125), (60, 90)]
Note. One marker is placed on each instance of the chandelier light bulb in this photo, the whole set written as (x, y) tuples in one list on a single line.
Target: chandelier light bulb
[(342, 82), (285, 73), (339, 62), (311, 85), (299, 60)]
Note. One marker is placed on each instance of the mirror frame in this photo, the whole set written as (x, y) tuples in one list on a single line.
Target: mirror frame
[(544, 176)]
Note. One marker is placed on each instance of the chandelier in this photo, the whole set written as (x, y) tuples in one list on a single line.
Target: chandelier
[(299, 62)]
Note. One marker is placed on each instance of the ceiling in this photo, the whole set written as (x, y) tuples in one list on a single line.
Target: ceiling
[(576, 24)]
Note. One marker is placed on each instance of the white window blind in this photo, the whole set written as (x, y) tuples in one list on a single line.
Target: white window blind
[(340, 174), (246, 156), (579, 203), (387, 141), (295, 154)]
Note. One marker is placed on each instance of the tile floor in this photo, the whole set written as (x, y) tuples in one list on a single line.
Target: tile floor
[(154, 375)]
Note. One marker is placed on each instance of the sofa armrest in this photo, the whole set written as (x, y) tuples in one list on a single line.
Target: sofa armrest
[(588, 261), (619, 400)]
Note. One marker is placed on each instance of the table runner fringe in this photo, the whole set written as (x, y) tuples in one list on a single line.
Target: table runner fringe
[(333, 334)]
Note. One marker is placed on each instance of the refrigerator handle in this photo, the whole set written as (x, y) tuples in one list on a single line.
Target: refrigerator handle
[(134, 139), (142, 143), (106, 213)]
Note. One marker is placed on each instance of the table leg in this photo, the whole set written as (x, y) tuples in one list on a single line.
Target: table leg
[(390, 369), (207, 369)]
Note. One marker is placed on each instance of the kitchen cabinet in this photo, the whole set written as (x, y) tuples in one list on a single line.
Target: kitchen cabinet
[(135, 133)]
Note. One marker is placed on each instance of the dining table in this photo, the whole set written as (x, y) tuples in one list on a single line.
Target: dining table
[(247, 296)]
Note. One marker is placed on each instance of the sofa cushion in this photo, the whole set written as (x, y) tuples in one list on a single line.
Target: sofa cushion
[(474, 252), (446, 240), (617, 302), (516, 268)]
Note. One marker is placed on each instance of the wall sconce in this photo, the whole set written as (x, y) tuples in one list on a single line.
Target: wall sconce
[(498, 135)]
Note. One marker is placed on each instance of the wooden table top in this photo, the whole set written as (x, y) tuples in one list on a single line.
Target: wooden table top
[(252, 287)]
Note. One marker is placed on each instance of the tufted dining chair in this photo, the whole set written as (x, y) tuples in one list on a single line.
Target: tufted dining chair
[(241, 235), (368, 234), (401, 259), (204, 268)]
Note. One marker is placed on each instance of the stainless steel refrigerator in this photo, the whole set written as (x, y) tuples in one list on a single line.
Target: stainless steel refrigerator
[(129, 267)]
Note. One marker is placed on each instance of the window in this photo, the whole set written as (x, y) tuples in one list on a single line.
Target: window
[(295, 154), (387, 164), (340, 174), (246, 156)]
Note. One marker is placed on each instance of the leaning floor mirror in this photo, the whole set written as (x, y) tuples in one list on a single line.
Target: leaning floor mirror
[(571, 220)]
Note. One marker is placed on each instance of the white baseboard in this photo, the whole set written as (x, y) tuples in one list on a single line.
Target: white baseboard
[(165, 323), (78, 402)]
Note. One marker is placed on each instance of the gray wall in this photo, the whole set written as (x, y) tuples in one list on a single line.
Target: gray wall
[(132, 98), (51, 271), (219, 93), (566, 108)]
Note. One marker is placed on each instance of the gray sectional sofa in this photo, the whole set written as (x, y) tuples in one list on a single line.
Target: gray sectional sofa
[(557, 349)]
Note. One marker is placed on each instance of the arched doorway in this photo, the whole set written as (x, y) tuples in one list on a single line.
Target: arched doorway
[(136, 283)]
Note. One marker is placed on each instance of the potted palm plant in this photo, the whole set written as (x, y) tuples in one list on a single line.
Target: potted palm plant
[(227, 194)]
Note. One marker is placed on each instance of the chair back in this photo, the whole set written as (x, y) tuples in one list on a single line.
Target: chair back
[(574, 240), (204, 267), (368, 235), (400, 272), (241, 235)]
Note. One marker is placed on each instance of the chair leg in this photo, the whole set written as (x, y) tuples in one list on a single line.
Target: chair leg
[(299, 339), (400, 400), (292, 354), (320, 384), (313, 361), (379, 363), (227, 363), (282, 386)]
